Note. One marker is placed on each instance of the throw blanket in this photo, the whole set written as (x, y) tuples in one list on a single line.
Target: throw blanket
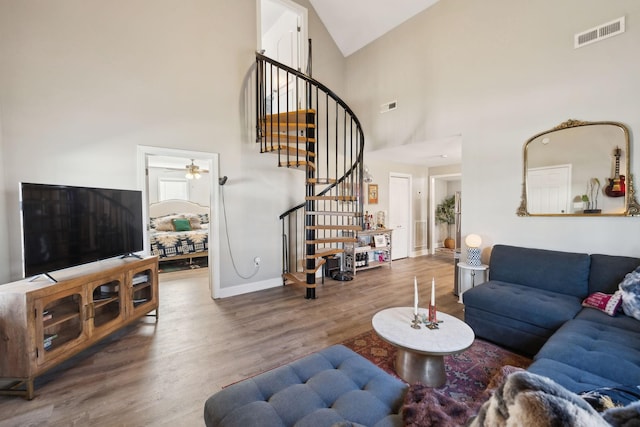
[(531, 400), (427, 407), (515, 397)]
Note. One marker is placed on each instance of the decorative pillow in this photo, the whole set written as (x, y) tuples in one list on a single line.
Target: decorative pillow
[(164, 223), (204, 218), (630, 290), (181, 224), (194, 221), (609, 304)]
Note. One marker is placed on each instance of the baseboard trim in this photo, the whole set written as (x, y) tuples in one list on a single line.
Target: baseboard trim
[(246, 288), (420, 252)]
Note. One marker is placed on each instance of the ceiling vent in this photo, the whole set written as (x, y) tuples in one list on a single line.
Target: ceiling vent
[(388, 106), (600, 32)]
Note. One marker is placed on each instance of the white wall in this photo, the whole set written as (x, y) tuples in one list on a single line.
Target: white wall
[(83, 83), (381, 171), (498, 72), (4, 224)]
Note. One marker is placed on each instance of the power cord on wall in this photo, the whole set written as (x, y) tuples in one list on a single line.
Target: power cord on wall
[(256, 266)]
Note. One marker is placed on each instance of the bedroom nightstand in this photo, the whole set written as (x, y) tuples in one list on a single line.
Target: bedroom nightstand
[(468, 276)]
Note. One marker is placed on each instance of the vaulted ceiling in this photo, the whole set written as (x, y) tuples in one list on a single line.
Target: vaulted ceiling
[(355, 23)]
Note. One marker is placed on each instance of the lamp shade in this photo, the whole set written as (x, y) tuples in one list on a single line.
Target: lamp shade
[(473, 241)]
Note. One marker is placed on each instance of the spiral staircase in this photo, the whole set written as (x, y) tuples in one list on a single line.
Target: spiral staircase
[(311, 129)]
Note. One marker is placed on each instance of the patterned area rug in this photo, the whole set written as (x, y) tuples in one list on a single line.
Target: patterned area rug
[(468, 373)]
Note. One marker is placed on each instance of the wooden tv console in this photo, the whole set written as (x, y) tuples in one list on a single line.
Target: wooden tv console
[(43, 323)]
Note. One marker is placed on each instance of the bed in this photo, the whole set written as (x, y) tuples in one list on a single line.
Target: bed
[(179, 229)]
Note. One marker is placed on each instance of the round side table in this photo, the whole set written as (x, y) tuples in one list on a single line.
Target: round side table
[(465, 270)]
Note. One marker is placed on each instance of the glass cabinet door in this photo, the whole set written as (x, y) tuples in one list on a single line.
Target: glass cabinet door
[(142, 291), (106, 303), (59, 323)]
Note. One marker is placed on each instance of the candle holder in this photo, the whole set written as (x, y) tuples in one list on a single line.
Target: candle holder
[(431, 325), (415, 324), (433, 314)]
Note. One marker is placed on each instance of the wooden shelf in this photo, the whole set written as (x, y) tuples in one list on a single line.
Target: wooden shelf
[(59, 318), (363, 257), (102, 302)]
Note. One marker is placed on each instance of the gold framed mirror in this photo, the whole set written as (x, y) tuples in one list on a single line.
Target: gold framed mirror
[(578, 169)]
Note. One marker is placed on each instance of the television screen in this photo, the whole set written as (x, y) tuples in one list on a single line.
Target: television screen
[(65, 226)]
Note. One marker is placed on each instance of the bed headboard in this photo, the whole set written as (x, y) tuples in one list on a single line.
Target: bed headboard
[(167, 207)]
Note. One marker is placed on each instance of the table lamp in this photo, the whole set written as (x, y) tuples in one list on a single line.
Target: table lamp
[(473, 242)]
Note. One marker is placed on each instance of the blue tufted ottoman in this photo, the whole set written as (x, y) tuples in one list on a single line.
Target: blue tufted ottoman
[(335, 386)]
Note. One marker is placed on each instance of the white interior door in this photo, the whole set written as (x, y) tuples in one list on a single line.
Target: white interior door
[(400, 214), (548, 189), (283, 34)]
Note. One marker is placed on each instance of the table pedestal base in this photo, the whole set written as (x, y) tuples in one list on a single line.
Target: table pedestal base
[(414, 367)]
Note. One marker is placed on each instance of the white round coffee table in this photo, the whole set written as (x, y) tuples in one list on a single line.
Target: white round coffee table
[(421, 352)]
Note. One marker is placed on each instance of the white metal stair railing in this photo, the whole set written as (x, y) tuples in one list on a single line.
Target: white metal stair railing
[(325, 140)]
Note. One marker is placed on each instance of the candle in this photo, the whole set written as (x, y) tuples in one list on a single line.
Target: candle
[(433, 291), (415, 296), (432, 306)]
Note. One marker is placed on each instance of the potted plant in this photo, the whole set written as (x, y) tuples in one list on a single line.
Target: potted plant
[(445, 214)]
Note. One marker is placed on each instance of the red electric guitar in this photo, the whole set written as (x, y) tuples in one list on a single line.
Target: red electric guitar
[(616, 184)]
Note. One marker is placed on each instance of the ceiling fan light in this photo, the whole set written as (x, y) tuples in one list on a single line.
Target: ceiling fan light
[(193, 171)]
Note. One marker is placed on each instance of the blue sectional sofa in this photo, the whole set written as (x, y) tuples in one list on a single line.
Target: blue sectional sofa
[(533, 304)]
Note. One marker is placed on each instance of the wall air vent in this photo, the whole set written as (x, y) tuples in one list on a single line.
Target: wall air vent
[(388, 106), (600, 32)]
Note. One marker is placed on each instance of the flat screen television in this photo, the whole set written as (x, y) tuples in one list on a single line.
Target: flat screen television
[(64, 226)]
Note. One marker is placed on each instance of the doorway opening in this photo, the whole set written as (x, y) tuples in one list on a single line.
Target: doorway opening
[(441, 187), (167, 191)]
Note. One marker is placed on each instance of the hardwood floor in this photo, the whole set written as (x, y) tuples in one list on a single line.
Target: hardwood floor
[(161, 373)]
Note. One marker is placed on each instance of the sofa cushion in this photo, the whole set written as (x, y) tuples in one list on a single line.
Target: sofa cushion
[(541, 308), (607, 271), (570, 377), (328, 387), (518, 336), (561, 272), (601, 349), (515, 316), (619, 321)]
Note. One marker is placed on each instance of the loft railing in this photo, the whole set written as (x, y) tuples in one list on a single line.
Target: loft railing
[(311, 128)]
